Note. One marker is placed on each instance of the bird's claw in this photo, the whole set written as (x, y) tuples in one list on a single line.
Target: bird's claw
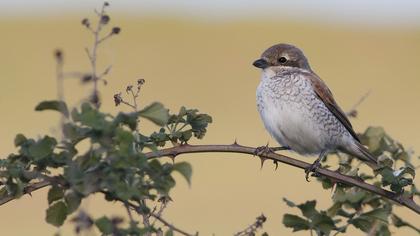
[(313, 168), (263, 150)]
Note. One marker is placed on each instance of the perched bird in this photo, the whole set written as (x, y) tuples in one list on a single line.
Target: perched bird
[(299, 110)]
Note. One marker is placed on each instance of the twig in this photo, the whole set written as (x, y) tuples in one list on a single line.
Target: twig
[(353, 112), (103, 20), (163, 205), (145, 216), (130, 216), (93, 55), (159, 218), (60, 84), (252, 229), (171, 226), (236, 148), (128, 104)]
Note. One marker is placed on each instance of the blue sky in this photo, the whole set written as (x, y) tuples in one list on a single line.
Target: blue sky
[(385, 12)]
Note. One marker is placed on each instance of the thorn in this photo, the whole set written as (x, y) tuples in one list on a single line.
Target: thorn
[(262, 159), (172, 158), (276, 163), (334, 187), (235, 143)]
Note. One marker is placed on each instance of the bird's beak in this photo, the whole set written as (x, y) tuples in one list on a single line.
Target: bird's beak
[(260, 63)]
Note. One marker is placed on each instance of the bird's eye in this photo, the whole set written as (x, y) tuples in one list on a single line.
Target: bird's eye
[(282, 59)]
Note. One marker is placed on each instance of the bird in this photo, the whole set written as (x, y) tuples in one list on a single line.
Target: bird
[(299, 110)]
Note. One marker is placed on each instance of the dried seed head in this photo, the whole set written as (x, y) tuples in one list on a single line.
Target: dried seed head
[(86, 22), (94, 99), (58, 54), (140, 81), (105, 19), (164, 199), (116, 30), (86, 78), (117, 99), (129, 88)]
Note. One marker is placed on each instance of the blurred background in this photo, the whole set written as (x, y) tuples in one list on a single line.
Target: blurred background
[(199, 54)]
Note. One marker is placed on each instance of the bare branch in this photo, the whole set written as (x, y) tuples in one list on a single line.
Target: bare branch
[(235, 148), (145, 217), (130, 216), (164, 203), (335, 176)]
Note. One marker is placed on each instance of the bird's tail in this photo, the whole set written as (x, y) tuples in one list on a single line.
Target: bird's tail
[(363, 153)]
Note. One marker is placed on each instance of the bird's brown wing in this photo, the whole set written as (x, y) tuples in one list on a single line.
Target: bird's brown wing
[(325, 95)]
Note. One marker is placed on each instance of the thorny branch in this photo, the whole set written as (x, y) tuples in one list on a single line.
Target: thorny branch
[(236, 148), (333, 175)]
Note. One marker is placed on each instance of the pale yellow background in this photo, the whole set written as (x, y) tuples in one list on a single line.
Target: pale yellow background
[(208, 66)]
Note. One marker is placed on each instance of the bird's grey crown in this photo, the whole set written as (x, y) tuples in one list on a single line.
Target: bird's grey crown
[(295, 56)]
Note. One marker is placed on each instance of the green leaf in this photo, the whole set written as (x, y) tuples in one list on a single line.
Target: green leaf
[(323, 223), (406, 170), (308, 209), (365, 221), (73, 201), (185, 169), (169, 233), (156, 113), (90, 117), (383, 161), (19, 140), (199, 123), (57, 214), (129, 119), (295, 222), (55, 193), (289, 203), (399, 222), (104, 225), (362, 224), (333, 210), (42, 148), (186, 135), (53, 105), (74, 132)]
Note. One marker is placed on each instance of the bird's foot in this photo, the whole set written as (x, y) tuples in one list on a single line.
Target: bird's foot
[(264, 150), (313, 168)]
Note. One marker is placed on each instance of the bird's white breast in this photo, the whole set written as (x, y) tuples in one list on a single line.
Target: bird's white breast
[(287, 106)]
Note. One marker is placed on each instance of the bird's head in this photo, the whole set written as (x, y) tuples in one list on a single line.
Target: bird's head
[(282, 55)]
